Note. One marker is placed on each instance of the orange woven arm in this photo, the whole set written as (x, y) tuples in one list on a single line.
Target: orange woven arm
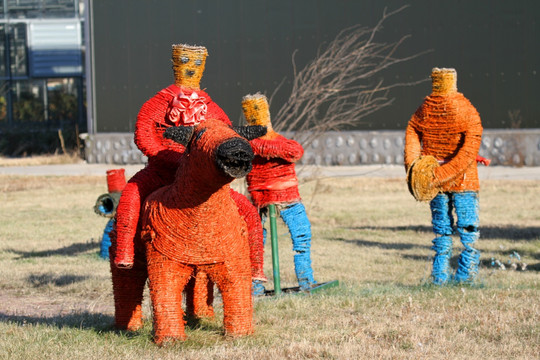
[(413, 147), (465, 157)]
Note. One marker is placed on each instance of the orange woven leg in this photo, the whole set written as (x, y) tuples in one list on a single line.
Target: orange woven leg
[(199, 294), (234, 283), (166, 280), (128, 287)]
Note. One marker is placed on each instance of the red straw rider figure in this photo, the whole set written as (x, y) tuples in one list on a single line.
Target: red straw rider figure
[(180, 104), (273, 181)]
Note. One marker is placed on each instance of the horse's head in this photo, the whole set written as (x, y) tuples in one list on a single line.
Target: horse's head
[(216, 147)]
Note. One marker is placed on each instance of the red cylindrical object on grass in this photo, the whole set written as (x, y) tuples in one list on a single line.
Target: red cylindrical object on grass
[(116, 180)]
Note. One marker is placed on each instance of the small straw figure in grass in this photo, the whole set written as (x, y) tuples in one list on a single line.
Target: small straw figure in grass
[(442, 140), (273, 181)]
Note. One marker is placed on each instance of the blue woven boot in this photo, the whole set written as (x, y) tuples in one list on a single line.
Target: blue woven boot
[(299, 226)]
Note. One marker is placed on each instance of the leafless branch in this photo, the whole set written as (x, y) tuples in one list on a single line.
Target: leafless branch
[(337, 88)]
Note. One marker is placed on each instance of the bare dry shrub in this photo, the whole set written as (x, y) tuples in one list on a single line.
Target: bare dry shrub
[(342, 84)]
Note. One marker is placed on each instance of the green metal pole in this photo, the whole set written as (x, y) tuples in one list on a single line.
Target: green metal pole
[(275, 251)]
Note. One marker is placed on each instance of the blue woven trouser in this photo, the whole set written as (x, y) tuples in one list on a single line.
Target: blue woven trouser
[(466, 208), (295, 217), (441, 218), (466, 205), (106, 239)]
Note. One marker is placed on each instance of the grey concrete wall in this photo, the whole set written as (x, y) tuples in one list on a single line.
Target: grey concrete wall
[(503, 146)]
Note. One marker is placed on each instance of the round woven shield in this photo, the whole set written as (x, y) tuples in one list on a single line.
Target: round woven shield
[(420, 178)]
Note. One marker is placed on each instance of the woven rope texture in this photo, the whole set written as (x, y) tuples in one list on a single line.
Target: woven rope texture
[(163, 154), (273, 181), (194, 224), (188, 64), (420, 178), (128, 262), (465, 205), (299, 226), (447, 127)]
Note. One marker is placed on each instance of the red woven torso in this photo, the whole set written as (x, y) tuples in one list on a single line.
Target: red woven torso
[(448, 128), (152, 122), (272, 179)]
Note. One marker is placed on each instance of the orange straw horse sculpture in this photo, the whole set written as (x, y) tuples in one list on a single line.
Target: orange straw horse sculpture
[(193, 225)]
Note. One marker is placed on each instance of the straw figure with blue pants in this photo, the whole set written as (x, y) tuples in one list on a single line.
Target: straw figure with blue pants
[(442, 141), (272, 181), (106, 206)]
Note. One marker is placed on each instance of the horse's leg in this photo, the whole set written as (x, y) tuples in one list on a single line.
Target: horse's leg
[(166, 280), (128, 288), (199, 294), (233, 278)]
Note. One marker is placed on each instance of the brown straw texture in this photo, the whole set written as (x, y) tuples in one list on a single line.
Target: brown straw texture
[(420, 178)]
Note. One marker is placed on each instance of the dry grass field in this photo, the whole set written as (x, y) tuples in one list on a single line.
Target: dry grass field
[(370, 234), (52, 159)]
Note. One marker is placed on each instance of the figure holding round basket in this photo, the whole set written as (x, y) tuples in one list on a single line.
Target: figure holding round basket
[(442, 141)]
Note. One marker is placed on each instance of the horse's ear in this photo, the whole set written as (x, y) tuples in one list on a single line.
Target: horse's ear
[(250, 132), (179, 134)]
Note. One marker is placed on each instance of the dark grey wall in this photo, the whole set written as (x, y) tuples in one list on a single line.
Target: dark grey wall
[(493, 44)]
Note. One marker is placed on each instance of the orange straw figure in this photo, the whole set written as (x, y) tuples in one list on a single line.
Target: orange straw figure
[(194, 224), (448, 127)]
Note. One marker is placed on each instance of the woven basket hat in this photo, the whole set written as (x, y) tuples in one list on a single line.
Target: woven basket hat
[(420, 178)]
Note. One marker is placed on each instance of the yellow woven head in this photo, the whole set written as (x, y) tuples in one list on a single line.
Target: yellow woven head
[(188, 64), (257, 112), (443, 81)]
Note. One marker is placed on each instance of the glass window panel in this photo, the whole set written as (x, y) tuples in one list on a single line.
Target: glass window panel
[(62, 99), (4, 88), (18, 54), (21, 9), (3, 67), (28, 100), (58, 8)]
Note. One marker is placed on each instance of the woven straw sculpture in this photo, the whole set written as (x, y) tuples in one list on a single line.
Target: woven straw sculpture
[(180, 104), (273, 181), (442, 142), (421, 180), (106, 205), (194, 225), (447, 127)]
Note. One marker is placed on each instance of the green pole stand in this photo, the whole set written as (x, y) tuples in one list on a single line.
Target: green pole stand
[(275, 250), (272, 213)]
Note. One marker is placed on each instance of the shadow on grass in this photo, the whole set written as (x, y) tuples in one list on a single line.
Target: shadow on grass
[(503, 255), (71, 250), (39, 280), (382, 245), (101, 323), (486, 232), (83, 320)]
